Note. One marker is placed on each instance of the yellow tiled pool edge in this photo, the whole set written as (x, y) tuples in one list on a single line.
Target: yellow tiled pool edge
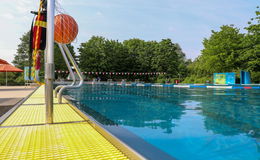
[(25, 135)]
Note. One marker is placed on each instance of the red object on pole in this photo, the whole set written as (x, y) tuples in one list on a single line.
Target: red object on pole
[(38, 61)]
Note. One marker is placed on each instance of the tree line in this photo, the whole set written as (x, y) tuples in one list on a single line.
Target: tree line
[(133, 55), (226, 50), (229, 50)]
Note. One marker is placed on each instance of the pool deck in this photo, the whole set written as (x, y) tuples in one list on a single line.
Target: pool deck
[(24, 134)]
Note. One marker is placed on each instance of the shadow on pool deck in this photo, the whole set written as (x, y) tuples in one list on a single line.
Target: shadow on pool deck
[(7, 103), (11, 95)]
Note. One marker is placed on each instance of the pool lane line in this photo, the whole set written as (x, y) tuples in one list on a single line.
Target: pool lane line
[(185, 86)]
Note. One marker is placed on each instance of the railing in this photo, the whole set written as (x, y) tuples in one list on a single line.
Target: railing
[(70, 70), (67, 55)]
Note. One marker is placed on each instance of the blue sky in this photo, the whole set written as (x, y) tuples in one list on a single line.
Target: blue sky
[(186, 22)]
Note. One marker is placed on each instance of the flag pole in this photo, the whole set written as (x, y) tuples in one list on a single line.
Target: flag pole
[(49, 63)]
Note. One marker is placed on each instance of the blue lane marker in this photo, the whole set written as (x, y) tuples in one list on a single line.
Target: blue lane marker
[(237, 87), (167, 85), (198, 86), (192, 86)]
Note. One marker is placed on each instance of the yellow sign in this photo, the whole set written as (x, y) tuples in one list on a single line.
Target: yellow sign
[(220, 78)]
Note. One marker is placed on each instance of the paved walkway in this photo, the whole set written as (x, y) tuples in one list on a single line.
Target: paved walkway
[(15, 91)]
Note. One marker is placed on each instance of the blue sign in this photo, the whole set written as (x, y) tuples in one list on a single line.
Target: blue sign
[(26, 74), (245, 77)]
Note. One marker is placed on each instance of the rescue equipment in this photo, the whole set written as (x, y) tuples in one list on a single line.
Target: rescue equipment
[(65, 29), (37, 40)]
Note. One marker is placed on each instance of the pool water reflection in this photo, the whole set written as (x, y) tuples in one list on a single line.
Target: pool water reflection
[(184, 123)]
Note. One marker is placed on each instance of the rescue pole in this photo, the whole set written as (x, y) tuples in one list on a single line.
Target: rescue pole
[(49, 61)]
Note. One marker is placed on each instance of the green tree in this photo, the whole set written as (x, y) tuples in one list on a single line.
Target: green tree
[(250, 57), (220, 54), (166, 58), (91, 55), (59, 62), (229, 51), (133, 55), (116, 57), (103, 55), (182, 63), (21, 57), (136, 53), (140, 55), (222, 50)]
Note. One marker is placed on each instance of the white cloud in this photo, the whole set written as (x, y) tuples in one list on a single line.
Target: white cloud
[(7, 54), (186, 21), (15, 19), (8, 16), (99, 13)]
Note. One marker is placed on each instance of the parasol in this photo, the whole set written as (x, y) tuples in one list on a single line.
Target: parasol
[(8, 68)]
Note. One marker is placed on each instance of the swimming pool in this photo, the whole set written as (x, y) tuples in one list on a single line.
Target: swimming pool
[(185, 123)]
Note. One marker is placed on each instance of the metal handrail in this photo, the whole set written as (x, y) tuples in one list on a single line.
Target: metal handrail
[(73, 62), (70, 70)]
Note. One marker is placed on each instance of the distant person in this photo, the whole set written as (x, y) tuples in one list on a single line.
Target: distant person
[(167, 80), (98, 79)]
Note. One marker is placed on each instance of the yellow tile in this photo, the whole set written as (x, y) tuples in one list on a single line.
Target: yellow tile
[(58, 141)]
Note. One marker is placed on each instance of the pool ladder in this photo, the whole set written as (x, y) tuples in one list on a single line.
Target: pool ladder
[(67, 55)]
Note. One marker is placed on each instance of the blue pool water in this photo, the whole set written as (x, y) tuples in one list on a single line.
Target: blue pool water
[(198, 124)]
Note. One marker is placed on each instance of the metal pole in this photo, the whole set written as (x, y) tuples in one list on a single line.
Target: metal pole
[(49, 63), (6, 78), (73, 63)]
